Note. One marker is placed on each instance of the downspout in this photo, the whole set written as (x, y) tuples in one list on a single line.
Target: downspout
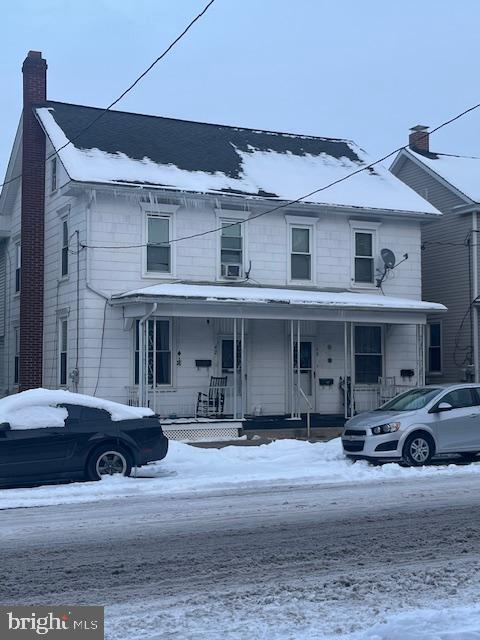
[(474, 245), (143, 358)]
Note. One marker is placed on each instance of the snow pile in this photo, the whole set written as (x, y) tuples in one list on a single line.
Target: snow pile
[(193, 469), (38, 408), (452, 623), (286, 175), (283, 296)]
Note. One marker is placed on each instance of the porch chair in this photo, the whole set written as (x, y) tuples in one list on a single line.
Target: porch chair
[(211, 404)]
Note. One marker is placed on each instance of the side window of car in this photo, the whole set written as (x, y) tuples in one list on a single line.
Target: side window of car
[(74, 414), (90, 414), (460, 398)]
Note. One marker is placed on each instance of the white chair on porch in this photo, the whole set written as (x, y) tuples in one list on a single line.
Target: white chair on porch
[(212, 403)]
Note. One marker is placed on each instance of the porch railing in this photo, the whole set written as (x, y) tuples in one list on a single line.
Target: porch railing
[(371, 396), (182, 402)]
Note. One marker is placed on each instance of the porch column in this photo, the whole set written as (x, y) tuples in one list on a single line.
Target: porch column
[(235, 364), (421, 354), (345, 369), (298, 368), (352, 369), (292, 361), (242, 368)]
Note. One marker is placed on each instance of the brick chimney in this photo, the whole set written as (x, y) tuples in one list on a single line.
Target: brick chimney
[(418, 140), (32, 218)]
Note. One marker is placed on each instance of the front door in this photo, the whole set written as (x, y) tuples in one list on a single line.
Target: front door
[(227, 370), (307, 376)]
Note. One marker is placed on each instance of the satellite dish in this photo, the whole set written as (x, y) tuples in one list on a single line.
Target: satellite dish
[(388, 258)]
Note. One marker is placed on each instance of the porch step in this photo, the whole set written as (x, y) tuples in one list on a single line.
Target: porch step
[(317, 421)]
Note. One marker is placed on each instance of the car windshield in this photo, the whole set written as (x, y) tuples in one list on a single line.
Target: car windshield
[(411, 400)]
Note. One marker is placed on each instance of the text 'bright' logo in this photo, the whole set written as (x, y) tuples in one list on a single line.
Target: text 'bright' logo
[(58, 622)]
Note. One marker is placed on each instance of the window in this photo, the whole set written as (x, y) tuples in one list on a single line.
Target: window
[(363, 257), (368, 354), (53, 176), (434, 341), (300, 254), (63, 348), (159, 359), (158, 247), (231, 249), (18, 266), (460, 398), (64, 267), (16, 362)]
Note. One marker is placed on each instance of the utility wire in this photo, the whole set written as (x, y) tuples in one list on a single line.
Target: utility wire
[(127, 90), (291, 202)]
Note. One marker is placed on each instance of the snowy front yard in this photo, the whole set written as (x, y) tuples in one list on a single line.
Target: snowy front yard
[(191, 469)]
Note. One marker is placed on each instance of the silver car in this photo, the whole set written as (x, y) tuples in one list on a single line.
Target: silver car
[(418, 424)]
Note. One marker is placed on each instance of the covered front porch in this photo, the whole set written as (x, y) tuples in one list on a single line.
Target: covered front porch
[(271, 356)]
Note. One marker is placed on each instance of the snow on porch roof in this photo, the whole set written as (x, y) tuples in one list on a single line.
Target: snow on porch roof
[(131, 148), (261, 295)]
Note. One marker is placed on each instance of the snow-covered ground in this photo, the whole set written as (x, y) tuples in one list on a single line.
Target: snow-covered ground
[(191, 469)]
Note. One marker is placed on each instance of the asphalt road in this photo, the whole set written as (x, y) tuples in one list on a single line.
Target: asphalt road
[(272, 562)]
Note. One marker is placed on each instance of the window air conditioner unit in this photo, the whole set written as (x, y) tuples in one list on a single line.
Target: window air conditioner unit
[(233, 271)]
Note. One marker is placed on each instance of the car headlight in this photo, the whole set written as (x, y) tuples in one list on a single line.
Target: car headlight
[(386, 428)]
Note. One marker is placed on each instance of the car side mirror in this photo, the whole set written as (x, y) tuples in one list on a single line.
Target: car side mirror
[(443, 406), (5, 426)]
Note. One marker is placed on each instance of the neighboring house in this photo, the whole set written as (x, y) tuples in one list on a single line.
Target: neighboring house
[(103, 297), (450, 254)]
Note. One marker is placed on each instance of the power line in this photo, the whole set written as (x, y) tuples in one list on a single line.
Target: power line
[(122, 95), (291, 202)]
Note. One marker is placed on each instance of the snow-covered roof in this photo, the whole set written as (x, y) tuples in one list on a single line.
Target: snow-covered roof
[(263, 295), (462, 172), (128, 148), (40, 408)]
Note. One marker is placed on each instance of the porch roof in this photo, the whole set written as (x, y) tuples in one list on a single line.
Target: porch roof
[(248, 295)]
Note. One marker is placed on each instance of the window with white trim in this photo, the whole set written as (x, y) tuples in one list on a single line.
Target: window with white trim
[(62, 351), (368, 354), (434, 342), (231, 249), (300, 252), (53, 175), (64, 251), (16, 358), (159, 258), (18, 266), (159, 352), (363, 246)]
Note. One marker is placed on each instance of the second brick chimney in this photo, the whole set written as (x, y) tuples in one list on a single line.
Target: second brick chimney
[(32, 219), (418, 140)]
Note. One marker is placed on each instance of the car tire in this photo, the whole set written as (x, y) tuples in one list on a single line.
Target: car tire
[(418, 450), (109, 459)]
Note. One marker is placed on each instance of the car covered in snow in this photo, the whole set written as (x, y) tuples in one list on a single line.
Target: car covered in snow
[(418, 424), (51, 435)]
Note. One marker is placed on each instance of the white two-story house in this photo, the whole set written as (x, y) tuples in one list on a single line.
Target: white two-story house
[(171, 260)]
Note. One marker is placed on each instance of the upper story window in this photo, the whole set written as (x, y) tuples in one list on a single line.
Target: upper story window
[(364, 272), (231, 249), (18, 266), (300, 253), (159, 258), (434, 343), (64, 259), (53, 175)]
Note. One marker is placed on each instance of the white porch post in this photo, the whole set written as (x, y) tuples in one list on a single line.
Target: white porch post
[(292, 360), (243, 382), (235, 364), (352, 370), (421, 353), (143, 356), (298, 367), (345, 369)]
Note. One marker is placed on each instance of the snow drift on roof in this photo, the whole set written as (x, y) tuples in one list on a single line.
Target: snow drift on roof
[(462, 172), (134, 149), (345, 299), (39, 408)]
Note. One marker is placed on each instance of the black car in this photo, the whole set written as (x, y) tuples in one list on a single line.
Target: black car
[(89, 446)]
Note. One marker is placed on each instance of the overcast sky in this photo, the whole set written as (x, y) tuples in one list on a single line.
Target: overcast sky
[(363, 70)]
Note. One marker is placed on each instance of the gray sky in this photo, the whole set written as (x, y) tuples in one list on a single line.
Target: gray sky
[(364, 70)]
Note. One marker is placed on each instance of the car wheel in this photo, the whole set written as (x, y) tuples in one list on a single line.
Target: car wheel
[(108, 460), (418, 450)]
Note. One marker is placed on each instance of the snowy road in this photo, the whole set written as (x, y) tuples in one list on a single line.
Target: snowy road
[(323, 561)]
